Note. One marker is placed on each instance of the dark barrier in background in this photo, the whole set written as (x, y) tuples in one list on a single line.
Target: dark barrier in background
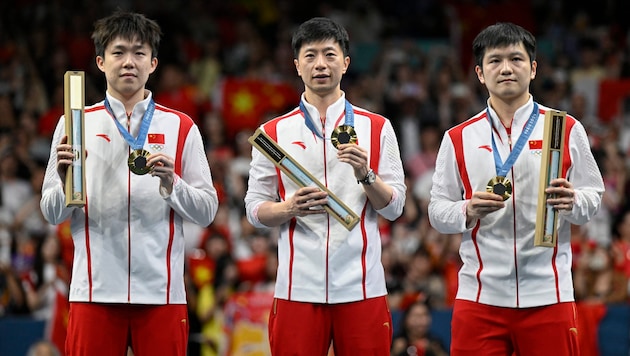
[(17, 334)]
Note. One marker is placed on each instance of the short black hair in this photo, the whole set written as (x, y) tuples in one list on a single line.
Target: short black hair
[(319, 29), (503, 34), (128, 25)]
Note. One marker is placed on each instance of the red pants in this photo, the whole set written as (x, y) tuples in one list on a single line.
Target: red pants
[(357, 328), (96, 329), (479, 329)]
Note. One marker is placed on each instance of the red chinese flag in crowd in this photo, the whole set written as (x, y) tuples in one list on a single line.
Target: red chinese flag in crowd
[(243, 104), (247, 102), (613, 95), (201, 269)]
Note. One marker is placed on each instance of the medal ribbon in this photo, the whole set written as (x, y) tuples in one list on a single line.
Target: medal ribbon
[(503, 168), (138, 142), (349, 120)]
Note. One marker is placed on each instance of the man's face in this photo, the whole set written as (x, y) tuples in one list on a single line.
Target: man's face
[(507, 72), (321, 65), (127, 66)]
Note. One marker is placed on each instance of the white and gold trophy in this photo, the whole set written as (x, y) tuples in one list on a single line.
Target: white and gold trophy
[(74, 110), (551, 166), (287, 164)]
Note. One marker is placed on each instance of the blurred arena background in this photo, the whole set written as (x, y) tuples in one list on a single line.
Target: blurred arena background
[(229, 65)]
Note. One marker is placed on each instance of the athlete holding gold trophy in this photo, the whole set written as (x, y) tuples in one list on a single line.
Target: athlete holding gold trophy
[(145, 173), (513, 297)]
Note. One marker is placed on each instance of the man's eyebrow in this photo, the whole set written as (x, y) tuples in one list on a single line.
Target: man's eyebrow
[(314, 49), (510, 54), (123, 46)]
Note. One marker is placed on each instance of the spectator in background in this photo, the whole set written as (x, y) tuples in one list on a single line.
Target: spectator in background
[(29, 221), (15, 190), (621, 257), (588, 72), (592, 267), (422, 279), (43, 348), (612, 165), (12, 298), (46, 289), (415, 338)]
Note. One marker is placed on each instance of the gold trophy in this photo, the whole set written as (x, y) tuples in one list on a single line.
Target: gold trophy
[(74, 110), (289, 166), (551, 166)]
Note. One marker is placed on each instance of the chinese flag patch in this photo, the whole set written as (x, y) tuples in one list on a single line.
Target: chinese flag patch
[(158, 138), (535, 144)]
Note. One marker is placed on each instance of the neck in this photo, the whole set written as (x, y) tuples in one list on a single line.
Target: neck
[(506, 109), (322, 102), (129, 101)]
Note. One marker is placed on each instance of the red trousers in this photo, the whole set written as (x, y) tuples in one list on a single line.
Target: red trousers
[(356, 328), (96, 329), (479, 329)]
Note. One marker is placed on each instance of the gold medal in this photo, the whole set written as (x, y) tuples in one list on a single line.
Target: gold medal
[(500, 185), (343, 134), (138, 162)]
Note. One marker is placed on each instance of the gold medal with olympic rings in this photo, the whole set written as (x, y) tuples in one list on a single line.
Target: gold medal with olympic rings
[(138, 162), (501, 186), (343, 134)]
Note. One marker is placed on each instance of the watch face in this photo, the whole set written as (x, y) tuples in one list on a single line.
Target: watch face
[(371, 177)]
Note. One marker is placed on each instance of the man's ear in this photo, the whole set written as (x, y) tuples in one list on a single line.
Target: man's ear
[(479, 72)]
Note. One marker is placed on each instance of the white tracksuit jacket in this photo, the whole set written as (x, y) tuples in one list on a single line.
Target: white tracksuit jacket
[(320, 261), (501, 265), (128, 239)]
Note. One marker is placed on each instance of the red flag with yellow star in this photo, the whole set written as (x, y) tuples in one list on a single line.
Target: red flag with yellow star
[(247, 102)]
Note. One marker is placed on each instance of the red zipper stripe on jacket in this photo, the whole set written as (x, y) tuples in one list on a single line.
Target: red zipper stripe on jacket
[(271, 129), (128, 225), (87, 244), (376, 128), (566, 163), (88, 252), (458, 145), (185, 124)]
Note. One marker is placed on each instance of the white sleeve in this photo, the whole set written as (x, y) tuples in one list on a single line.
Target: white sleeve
[(53, 201), (391, 172), (585, 176), (447, 208), (262, 186), (194, 196)]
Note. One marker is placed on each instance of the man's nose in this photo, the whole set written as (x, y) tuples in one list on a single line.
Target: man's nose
[(128, 61)]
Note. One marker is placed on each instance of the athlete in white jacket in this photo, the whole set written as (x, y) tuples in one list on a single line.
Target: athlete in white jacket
[(330, 284), (128, 269), (512, 296)]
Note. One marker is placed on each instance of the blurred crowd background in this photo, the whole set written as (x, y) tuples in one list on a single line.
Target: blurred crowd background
[(229, 65)]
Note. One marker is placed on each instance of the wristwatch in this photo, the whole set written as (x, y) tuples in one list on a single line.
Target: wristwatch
[(370, 178)]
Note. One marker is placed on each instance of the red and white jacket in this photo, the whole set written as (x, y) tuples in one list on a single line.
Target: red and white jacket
[(320, 261), (128, 239), (501, 265)]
